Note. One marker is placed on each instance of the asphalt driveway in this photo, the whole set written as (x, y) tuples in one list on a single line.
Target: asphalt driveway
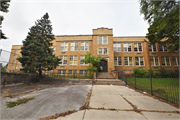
[(47, 102)]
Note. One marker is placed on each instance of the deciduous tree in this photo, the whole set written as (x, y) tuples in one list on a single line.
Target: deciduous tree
[(163, 17), (92, 59)]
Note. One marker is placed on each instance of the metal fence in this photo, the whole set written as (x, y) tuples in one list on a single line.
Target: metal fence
[(69, 75), (165, 87)]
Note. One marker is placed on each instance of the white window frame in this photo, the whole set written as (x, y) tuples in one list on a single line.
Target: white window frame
[(154, 61), (84, 72), (115, 47), (84, 64), (73, 46), (85, 45), (139, 61), (128, 61), (118, 61), (103, 43), (13, 63), (103, 51), (65, 46), (127, 47), (138, 47), (73, 60), (152, 48), (62, 72), (15, 53), (163, 48), (54, 50), (176, 60), (62, 59), (166, 61)]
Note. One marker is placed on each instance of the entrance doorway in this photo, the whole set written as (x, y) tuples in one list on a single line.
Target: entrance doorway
[(103, 66)]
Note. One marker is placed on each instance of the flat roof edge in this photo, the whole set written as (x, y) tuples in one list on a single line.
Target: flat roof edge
[(127, 36), (70, 35)]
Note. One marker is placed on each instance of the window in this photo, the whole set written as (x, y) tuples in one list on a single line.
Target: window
[(102, 40), (162, 48), (13, 63), (127, 47), (84, 46), (128, 61), (152, 48), (63, 60), (54, 50), (73, 60), (82, 63), (117, 61), (61, 72), (15, 53), (71, 72), (20, 67), (64, 46), (137, 47), (11, 71), (175, 61), (117, 47), (74, 46), (102, 51), (139, 61), (154, 61), (165, 61), (83, 72)]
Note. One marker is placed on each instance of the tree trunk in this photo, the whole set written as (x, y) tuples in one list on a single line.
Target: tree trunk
[(40, 74)]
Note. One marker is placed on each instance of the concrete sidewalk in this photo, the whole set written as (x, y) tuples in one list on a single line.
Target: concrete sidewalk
[(110, 102)]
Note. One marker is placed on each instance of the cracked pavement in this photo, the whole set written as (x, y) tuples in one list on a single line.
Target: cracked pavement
[(111, 102)]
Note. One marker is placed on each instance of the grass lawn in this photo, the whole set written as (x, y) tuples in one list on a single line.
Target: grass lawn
[(166, 88)]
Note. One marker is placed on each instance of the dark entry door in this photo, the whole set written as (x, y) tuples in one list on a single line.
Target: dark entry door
[(103, 66)]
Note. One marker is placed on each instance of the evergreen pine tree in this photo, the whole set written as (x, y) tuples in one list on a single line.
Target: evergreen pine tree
[(36, 51)]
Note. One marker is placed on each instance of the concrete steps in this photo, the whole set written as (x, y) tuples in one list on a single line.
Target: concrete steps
[(108, 82), (105, 75)]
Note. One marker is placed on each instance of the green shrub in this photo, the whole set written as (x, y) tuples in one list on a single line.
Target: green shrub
[(151, 71), (162, 71), (140, 72), (74, 74), (143, 72), (136, 71), (176, 72)]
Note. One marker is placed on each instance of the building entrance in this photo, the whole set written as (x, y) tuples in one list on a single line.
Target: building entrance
[(103, 66)]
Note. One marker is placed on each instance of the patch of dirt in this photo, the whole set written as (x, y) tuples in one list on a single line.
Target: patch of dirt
[(135, 108), (86, 105), (58, 115), (13, 91), (15, 95)]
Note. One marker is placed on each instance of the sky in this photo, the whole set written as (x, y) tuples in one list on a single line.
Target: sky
[(72, 17)]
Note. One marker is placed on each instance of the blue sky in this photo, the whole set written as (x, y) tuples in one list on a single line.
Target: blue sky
[(72, 17)]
